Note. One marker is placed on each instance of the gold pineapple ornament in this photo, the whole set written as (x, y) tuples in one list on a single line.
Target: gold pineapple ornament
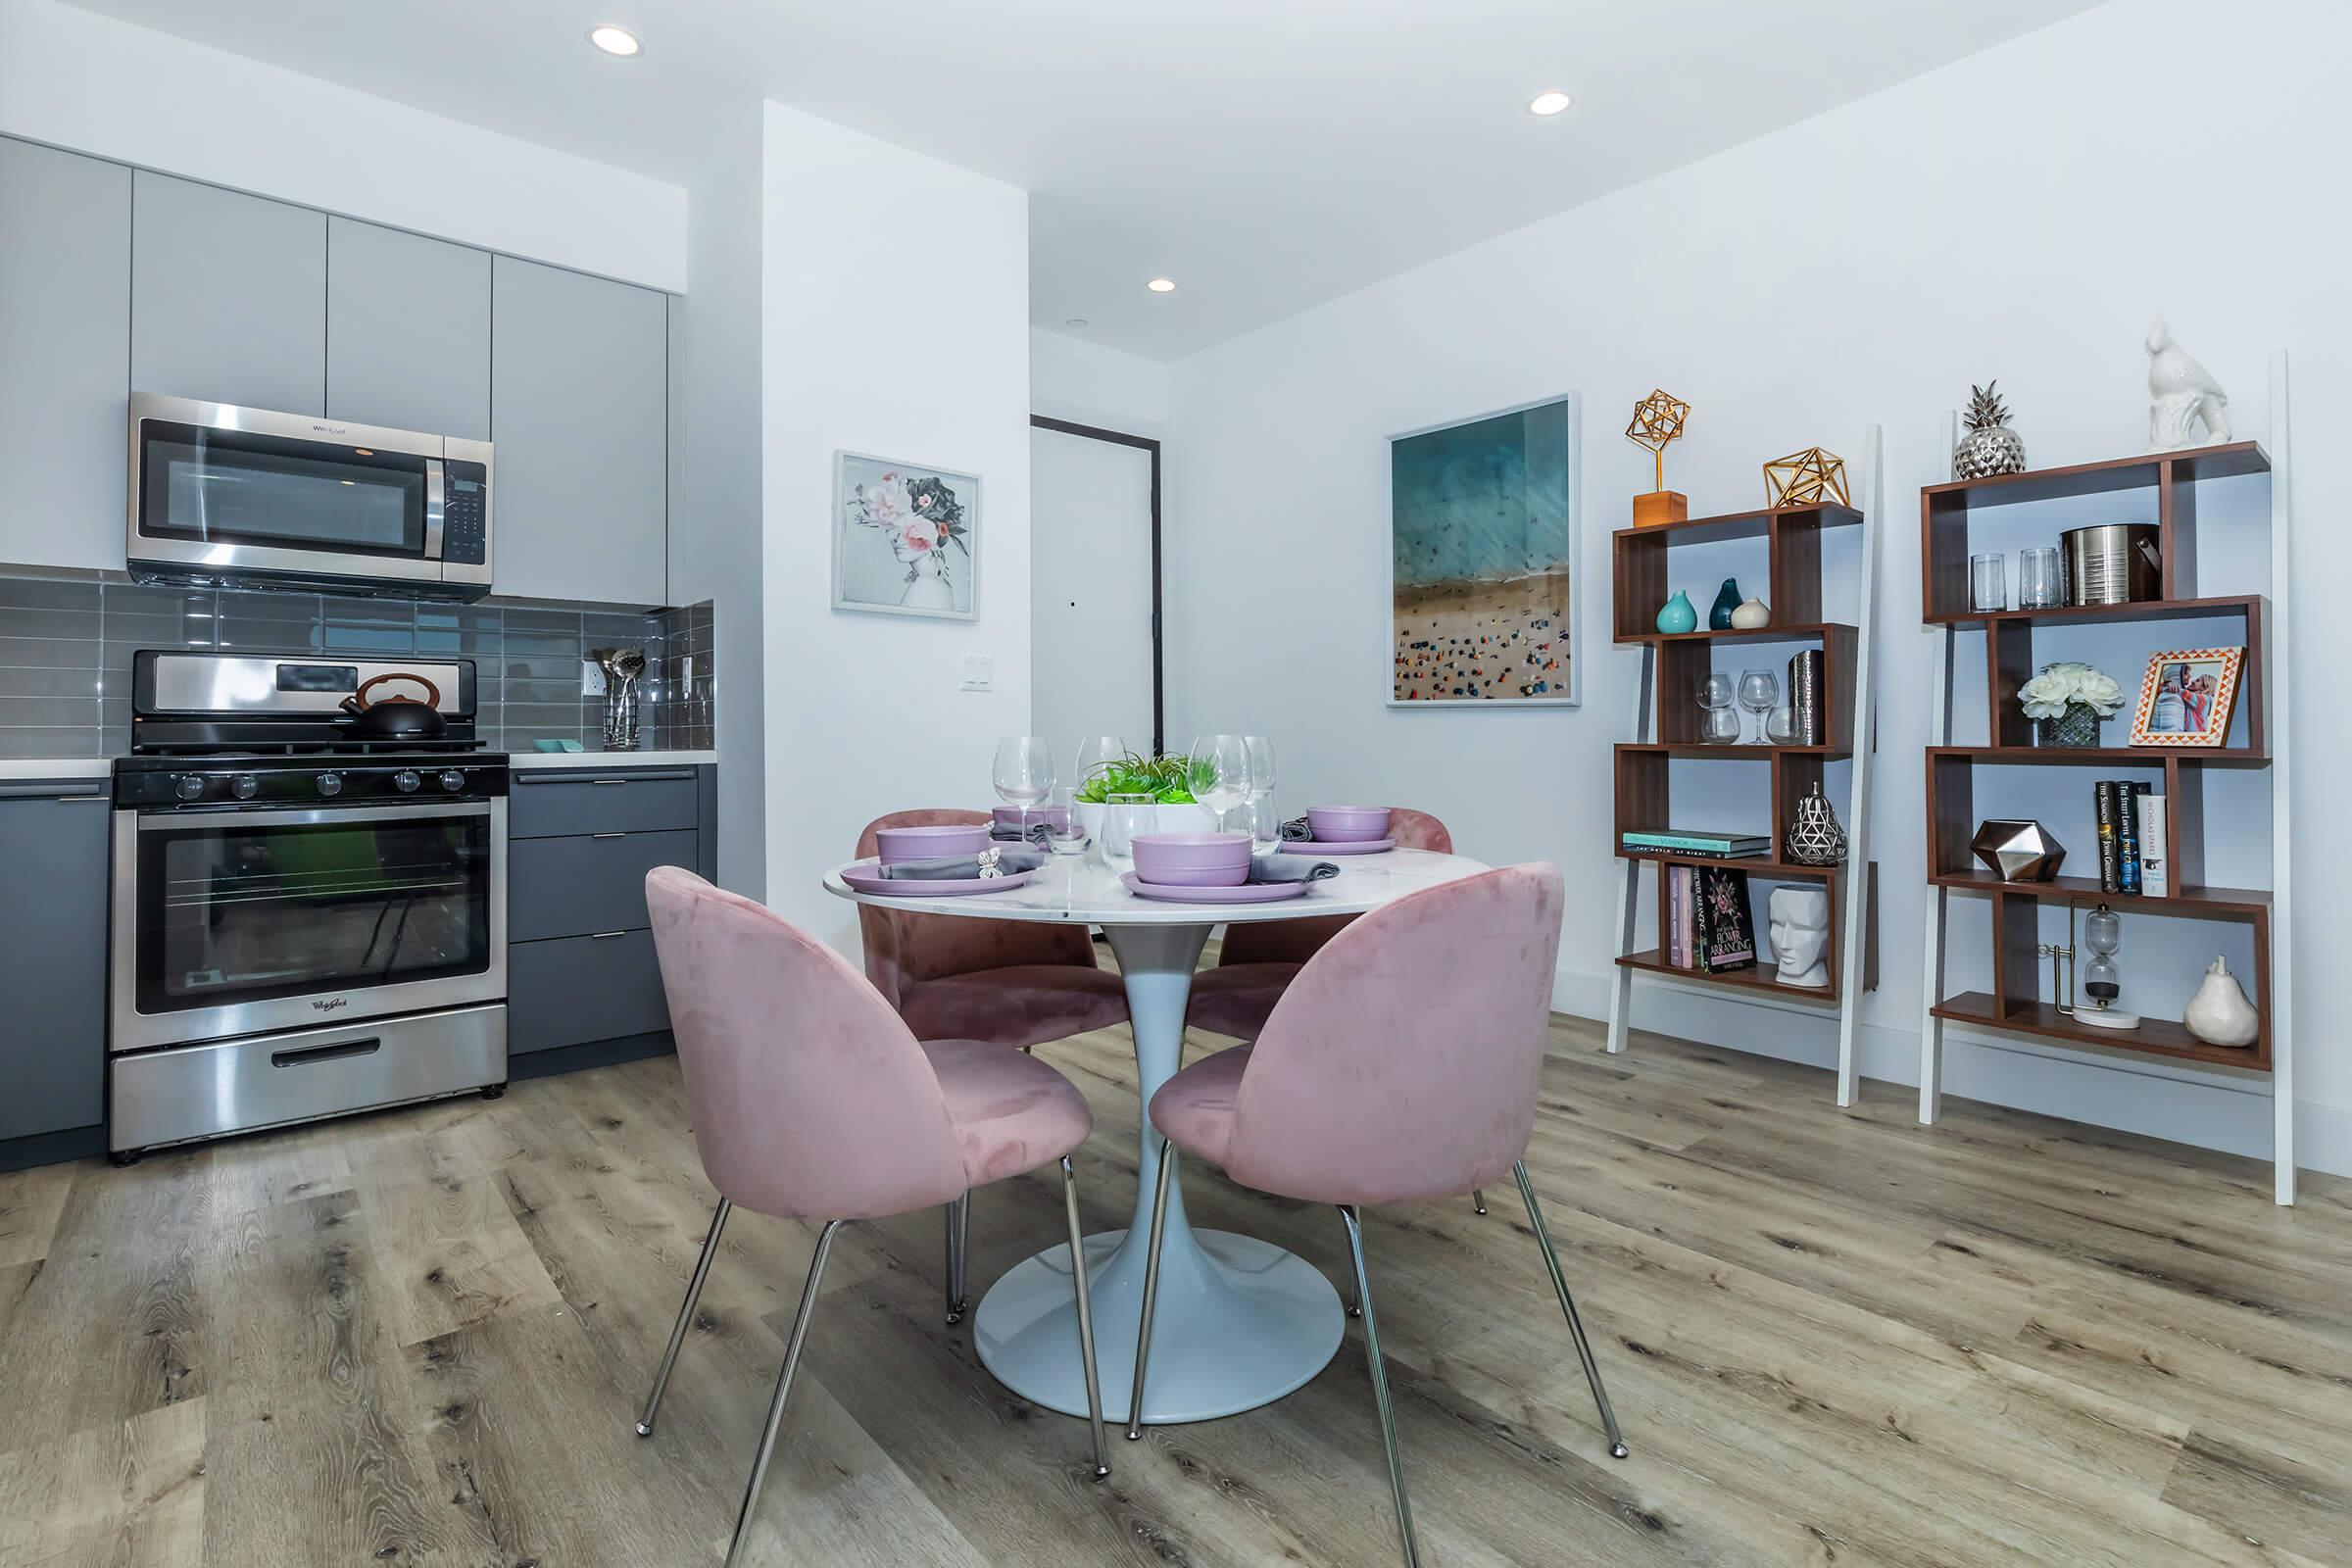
[(1989, 447)]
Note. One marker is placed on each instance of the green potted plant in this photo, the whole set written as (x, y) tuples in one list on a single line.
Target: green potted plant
[(1172, 809)]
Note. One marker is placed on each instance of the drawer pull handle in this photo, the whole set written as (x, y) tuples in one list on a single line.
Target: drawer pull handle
[(604, 936), (64, 800), (610, 781), (317, 1054), (607, 835)]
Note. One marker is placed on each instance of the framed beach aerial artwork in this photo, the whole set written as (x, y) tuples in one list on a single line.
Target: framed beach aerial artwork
[(1483, 533), (905, 538)]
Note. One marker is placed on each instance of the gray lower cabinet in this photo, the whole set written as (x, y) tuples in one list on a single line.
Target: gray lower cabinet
[(407, 330), (227, 296), (581, 963), (53, 841), (65, 340), (580, 413)]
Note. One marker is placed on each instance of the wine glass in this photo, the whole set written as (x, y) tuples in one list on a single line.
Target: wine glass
[(1024, 771), (1716, 695), (1781, 727), (1218, 773), (1759, 691), (1265, 826), (1092, 752)]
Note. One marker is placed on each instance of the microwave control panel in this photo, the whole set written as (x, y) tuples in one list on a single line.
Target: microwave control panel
[(465, 513)]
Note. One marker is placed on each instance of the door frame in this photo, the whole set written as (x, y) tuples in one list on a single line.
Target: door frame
[(1150, 444)]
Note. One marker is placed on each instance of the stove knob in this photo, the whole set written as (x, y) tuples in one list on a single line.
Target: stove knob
[(244, 786), (406, 782), (452, 780), (188, 787), (331, 783)]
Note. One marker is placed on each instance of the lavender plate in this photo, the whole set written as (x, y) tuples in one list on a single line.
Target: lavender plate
[(1247, 893), (863, 876), (1341, 847)]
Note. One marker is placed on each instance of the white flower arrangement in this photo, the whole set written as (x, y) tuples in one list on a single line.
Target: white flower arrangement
[(2062, 686)]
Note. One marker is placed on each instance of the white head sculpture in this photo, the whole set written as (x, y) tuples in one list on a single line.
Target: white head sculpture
[(1800, 935)]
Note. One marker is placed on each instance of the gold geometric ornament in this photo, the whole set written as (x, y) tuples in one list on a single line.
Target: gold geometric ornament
[(1807, 478), (1657, 420)]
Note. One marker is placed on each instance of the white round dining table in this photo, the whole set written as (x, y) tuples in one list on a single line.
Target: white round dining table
[(1239, 1321)]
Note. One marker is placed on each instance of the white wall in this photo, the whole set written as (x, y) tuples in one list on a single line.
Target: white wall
[(94, 84), (1087, 383), (895, 322), (2024, 215)]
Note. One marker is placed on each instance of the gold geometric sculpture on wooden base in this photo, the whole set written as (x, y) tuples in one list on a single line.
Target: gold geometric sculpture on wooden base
[(1657, 420), (1807, 478)]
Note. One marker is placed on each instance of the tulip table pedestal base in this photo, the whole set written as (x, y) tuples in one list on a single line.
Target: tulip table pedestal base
[(1240, 1322)]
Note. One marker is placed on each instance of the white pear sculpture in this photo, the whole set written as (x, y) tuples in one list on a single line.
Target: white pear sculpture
[(2219, 1013), (2182, 392)]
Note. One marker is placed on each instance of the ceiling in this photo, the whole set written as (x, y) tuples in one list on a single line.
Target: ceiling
[(1266, 155)]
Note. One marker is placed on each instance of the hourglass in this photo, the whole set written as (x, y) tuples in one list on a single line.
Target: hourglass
[(2101, 981)]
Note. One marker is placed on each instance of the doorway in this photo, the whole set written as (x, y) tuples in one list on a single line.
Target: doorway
[(1094, 605)]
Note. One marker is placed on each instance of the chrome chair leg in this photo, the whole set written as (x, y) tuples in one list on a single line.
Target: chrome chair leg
[(1478, 1201), (1380, 1387), (960, 1245), (1143, 1336), (1086, 1316), (677, 1334), (775, 1409), (1576, 1325)]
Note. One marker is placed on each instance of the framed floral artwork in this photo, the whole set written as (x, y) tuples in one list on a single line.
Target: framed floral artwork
[(905, 538), (2187, 696)]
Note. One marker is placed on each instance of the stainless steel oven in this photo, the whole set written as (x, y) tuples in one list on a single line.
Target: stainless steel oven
[(224, 494)]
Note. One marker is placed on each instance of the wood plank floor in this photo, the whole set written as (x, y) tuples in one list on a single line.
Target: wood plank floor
[(421, 1336)]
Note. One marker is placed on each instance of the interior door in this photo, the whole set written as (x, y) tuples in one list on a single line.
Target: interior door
[(1094, 656)]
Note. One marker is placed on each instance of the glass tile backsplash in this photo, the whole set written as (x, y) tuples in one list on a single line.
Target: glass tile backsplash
[(66, 639)]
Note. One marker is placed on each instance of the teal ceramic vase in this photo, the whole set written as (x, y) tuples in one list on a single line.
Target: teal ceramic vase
[(1719, 619), (1678, 614)]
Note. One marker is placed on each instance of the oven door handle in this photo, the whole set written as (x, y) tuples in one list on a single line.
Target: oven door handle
[(165, 822)]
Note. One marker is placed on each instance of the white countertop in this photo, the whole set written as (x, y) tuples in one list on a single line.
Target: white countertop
[(610, 760), (56, 766)]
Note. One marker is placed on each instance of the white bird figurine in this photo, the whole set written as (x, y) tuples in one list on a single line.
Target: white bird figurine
[(2181, 392)]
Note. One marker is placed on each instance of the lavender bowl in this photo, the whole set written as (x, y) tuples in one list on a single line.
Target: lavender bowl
[(1347, 824), (1193, 859), (895, 844), (1056, 818)]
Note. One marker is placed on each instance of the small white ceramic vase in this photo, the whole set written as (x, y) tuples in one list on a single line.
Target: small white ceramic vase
[(2219, 1013), (1751, 614)]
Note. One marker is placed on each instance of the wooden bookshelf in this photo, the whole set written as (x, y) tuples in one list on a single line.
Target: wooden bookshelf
[(1646, 566), (2015, 1004)]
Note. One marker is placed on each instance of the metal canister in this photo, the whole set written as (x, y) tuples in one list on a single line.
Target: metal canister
[(2112, 563), (1804, 697)]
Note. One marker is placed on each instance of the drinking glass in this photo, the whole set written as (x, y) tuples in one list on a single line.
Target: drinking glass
[(1265, 823), (1218, 773), (2039, 585), (1024, 771), (1987, 590), (1061, 807), (1124, 817), (1759, 691), (1716, 695)]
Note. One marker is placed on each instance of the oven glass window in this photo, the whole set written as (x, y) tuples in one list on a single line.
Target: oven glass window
[(234, 909), (234, 487)]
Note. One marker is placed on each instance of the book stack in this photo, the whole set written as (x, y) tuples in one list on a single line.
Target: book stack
[(2131, 821), (1708, 925), (1698, 845)]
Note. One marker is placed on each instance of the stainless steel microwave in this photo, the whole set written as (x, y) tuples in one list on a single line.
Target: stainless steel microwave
[(220, 494)]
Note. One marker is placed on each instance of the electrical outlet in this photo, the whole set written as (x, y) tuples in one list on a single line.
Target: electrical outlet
[(979, 673), (592, 678)]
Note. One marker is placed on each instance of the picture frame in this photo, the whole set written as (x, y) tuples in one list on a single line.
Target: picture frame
[(2188, 697), (905, 538), (1443, 596)]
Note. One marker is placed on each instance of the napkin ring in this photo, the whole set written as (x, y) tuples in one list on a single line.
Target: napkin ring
[(989, 868)]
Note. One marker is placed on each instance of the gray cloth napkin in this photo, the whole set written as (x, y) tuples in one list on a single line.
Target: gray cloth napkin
[(1296, 831), (1289, 869), (992, 862), (1040, 834)]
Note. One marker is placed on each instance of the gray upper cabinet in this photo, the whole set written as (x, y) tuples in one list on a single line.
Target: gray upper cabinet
[(53, 957), (407, 330), (227, 297), (580, 413), (65, 348)]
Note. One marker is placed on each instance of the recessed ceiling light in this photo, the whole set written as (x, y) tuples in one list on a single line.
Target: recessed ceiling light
[(1075, 320), (615, 41), (1162, 285), (1548, 103)]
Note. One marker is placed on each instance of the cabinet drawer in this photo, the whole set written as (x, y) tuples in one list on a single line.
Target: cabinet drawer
[(575, 990), (544, 806), (578, 886)]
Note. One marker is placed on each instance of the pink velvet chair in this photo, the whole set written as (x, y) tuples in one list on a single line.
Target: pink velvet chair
[(1402, 1066), (812, 1101)]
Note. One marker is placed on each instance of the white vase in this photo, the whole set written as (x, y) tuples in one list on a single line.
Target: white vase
[(930, 589), (2219, 1013), (1186, 819), (1750, 614)]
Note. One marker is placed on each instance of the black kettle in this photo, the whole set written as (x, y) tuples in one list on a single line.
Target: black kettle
[(398, 717)]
